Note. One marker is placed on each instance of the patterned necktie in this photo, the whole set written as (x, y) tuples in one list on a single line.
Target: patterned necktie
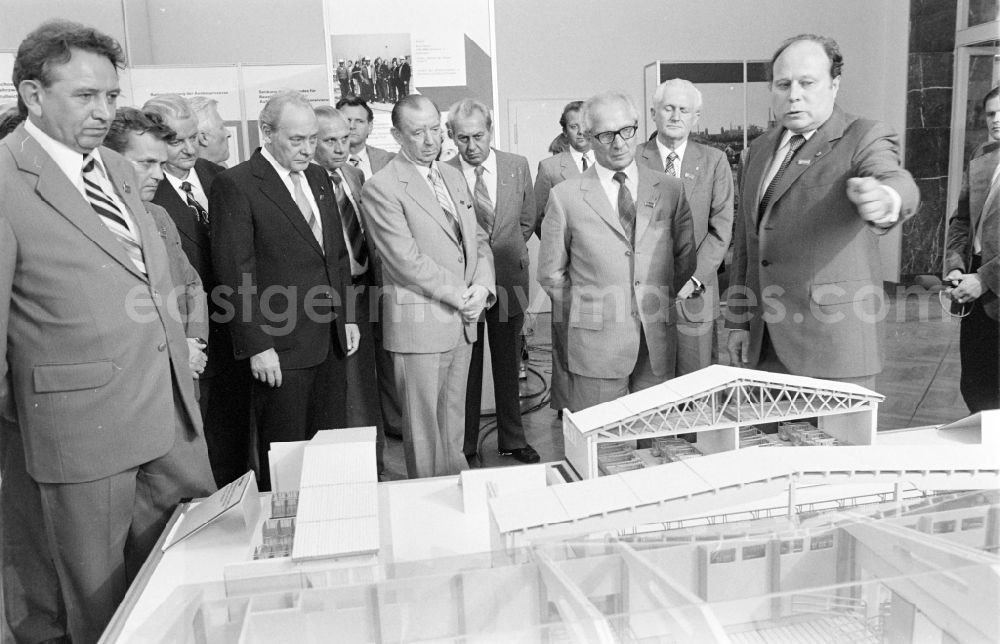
[(626, 206), (485, 214), (306, 209), (671, 167), (355, 161), (794, 144), (110, 213), (200, 213), (445, 202), (585, 164), (349, 219)]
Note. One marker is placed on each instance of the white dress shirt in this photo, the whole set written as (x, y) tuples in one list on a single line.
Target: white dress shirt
[(364, 163), (286, 177), (489, 176), (611, 186), (197, 190), (665, 152), (578, 158)]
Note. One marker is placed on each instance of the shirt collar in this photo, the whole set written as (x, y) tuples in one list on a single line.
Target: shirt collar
[(606, 175), (362, 155), (191, 178), (282, 171), (579, 155), (665, 151), (69, 160), (786, 136)]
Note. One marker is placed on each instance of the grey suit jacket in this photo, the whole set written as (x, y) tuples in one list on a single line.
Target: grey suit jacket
[(514, 224), (817, 259), (192, 305), (91, 361), (378, 157), (611, 287), (552, 171), (708, 186), (962, 226), (425, 268)]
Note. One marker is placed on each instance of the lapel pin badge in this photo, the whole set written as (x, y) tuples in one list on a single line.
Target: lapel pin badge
[(804, 161), (650, 204), (688, 175)]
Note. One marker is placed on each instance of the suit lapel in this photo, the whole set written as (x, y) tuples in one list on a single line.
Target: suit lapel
[(762, 151), (274, 190), (691, 165), (651, 155), (569, 167), (418, 189), (506, 186), (329, 213), (980, 173), (811, 152), (457, 189), (182, 214), (56, 189), (593, 194), (645, 203)]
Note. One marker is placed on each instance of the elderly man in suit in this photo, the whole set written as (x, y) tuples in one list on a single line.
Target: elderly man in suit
[(617, 246), (101, 435), (972, 266), (225, 384), (437, 272), (213, 136), (818, 192), (573, 160), (708, 186), (278, 251), (504, 204), (332, 151), (360, 117)]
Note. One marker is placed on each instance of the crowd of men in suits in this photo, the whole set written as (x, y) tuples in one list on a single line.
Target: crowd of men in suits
[(379, 81), (348, 286)]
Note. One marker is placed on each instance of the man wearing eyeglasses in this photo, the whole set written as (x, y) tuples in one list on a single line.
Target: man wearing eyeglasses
[(617, 247), (972, 266), (708, 186)]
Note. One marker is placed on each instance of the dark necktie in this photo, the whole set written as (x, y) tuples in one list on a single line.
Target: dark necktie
[(626, 206), (355, 161), (110, 213), (200, 213), (349, 218), (585, 164), (485, 214), (671, 168), (794, 144), (441, 193)]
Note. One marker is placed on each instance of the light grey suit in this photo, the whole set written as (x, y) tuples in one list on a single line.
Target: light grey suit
[(426, 269), (708, 186), (618, 294), (102, 433), (378, 157)]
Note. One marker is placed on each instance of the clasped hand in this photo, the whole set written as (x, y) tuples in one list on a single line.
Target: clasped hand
[(473, 302)]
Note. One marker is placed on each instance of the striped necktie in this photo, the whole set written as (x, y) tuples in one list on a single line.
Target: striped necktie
[(671, 167), (117, 221), (794, 144), (485, 214), (306, 209), (349, 219), (444, 200), (199, 211)]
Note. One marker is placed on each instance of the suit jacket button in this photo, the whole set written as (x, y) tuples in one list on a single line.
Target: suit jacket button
[(628, 253), (162, 347), (461, 259), (764, 262)]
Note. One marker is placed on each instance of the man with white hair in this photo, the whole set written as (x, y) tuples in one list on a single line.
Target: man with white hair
[(617, 247), (708, 186), (213, 137)]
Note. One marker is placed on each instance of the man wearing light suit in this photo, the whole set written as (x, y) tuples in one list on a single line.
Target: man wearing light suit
[(818, 193), (708, 186), (438, 278), (972, 266), (504, 203), (576, 158), (616, 260), (101, 430)]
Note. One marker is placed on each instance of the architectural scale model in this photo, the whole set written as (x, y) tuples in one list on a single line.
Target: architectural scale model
[(845, 536)]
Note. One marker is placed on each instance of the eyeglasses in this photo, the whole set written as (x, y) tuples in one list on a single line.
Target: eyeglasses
[(607, 138)]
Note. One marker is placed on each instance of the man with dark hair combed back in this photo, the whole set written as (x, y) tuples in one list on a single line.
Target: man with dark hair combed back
[(100, 435)]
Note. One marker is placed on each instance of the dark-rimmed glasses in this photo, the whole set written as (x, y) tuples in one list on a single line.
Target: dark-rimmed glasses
[(607, 138)]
